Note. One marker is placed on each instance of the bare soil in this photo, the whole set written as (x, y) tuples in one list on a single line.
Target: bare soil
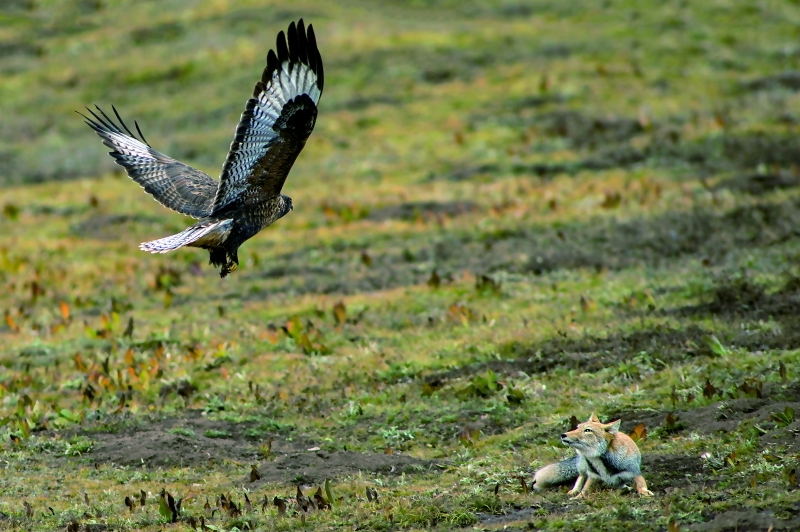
[(108, 226), (194, 440), (422, 210), (313, 467), (746, 519), (189, 441), (599, 244)]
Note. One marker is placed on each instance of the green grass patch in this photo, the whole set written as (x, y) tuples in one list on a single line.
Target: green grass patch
[(507, 215)]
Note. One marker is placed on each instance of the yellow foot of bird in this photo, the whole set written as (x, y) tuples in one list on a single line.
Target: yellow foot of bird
[(228, 268)]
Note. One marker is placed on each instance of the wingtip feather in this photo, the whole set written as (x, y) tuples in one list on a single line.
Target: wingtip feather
[(282, 48), (297, 45), (294, 43)]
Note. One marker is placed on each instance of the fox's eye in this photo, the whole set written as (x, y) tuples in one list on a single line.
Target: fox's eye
[(587, 430)]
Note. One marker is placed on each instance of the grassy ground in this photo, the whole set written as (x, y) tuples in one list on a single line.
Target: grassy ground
[(509, 214)]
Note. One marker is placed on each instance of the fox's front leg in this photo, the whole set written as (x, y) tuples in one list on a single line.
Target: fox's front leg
[(641, 487), (578, 485), (586, 487)]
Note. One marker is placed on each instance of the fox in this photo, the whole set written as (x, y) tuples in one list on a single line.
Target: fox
[(602, 453)]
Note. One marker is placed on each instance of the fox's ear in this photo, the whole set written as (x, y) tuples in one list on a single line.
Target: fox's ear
[(613, 427), (593, 419)]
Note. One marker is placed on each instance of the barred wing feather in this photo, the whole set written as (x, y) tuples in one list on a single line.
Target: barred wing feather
[(175, 185), (276, 123)]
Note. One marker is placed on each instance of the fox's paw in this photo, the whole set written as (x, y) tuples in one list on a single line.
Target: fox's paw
[(646, 493)]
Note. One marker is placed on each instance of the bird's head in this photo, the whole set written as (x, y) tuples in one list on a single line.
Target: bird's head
[(287, 205)]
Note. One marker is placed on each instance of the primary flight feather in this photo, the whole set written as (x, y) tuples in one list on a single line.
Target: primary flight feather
[(272, 131)]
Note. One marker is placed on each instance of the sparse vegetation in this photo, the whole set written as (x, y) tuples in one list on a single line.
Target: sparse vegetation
[(509, 214)]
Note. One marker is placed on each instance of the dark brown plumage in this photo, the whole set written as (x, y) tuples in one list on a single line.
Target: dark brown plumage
[(272, 131)]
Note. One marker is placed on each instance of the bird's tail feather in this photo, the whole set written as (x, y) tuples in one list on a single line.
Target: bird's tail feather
[(184, 238)]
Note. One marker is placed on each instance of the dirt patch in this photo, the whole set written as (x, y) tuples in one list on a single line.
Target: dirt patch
[(709, 156), (736, 296), (422, 209), (617, 245), (580, 130), (787, 436), (742, 152), (783, 80), (431, 65), (533, 101), (194, 440), (588, 354), (188, 441), (752, 149), (745, 519), (158, 33), (670, 470), (108, 226), (741, 296), (313, 467), (361, 102), (519, 513), (593, 353), (614, 157), (741, 300), (729, 415), (8, 49), (588, 131), (251, 20), (156, 448), (759, 184), (603, 243), (466, 173), (604, 142)]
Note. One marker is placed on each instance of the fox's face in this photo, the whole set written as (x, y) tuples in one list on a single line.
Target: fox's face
[(591, 438)]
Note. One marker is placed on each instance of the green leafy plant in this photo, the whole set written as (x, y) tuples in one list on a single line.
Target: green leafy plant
[(783, 418)]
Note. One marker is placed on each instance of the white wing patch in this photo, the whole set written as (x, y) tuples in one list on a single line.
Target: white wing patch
[(175, 185), (295, 71)]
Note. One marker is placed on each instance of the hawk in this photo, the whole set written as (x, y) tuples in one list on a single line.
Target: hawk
[(272, 131)]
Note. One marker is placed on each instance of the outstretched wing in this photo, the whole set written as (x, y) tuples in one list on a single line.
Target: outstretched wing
[(276, 122), (172, 183)]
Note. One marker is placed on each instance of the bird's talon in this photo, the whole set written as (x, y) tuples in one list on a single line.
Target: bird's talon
[(228, 268)]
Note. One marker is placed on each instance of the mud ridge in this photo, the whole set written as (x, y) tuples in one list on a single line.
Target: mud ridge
[(597, 244)]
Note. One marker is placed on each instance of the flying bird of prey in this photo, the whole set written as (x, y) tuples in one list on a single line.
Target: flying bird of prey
[(272, 131)]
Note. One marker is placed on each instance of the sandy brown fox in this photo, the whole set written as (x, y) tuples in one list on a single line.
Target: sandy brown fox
[(603, 453)]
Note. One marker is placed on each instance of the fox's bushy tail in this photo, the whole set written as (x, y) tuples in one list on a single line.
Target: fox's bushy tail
[(555, 474)]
